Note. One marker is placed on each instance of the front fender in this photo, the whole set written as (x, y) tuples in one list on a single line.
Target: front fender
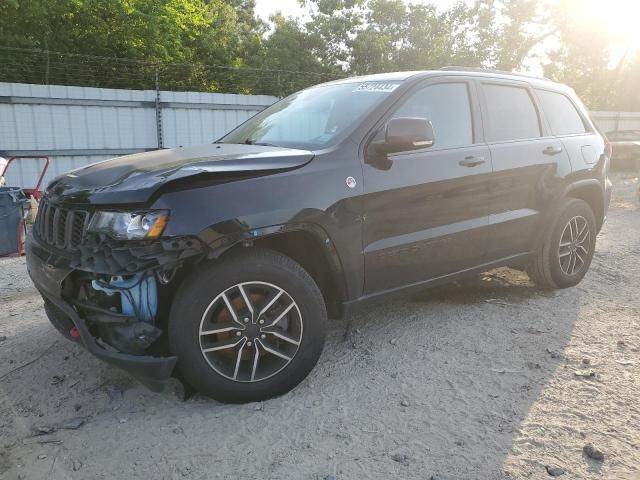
[(315, 198), (226, 235)]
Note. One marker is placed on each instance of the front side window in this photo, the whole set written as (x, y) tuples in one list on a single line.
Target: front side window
[(563, 117), (511, 113), (313, 118), (446, 106)]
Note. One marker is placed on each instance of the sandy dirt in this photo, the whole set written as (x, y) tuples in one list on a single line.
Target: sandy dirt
[(487, 379)]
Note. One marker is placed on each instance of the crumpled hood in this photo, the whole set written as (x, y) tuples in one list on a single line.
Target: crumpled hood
[(134, 178)]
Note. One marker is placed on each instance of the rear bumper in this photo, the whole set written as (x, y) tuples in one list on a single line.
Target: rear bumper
[(47, 275)]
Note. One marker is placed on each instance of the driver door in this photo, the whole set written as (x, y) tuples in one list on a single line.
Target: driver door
[(427, 210)]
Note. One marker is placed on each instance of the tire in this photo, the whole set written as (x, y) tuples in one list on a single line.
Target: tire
[(201, 326), (551, 266)]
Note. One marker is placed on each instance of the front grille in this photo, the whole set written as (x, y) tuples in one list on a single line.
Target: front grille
[(63, 228)]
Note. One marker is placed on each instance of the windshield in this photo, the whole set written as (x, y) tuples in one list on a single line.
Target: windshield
[(312, 118)]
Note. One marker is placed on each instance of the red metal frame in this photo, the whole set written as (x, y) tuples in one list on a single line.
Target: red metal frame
[(30, 192)]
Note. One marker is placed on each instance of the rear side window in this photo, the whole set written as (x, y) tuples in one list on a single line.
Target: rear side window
[(511, 113), (563, 117), (447, 106)]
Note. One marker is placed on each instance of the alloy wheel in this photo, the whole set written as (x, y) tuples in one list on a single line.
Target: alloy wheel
[(250, 331), (575, 242)]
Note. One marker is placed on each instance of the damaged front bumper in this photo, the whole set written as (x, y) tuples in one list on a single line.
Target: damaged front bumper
[(48, 273)]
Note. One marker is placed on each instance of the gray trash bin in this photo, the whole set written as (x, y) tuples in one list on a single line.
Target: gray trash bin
[(12, 200)]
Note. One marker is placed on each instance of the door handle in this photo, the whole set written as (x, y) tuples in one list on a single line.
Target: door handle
[(552, 150), (472, 161)]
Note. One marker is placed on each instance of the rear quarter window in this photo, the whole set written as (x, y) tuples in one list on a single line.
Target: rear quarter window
[(562, 115)]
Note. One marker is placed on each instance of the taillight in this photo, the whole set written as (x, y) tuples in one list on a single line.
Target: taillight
[(608, 148)]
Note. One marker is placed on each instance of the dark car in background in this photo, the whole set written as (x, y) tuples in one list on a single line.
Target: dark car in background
[(626, 148), (221, 263)]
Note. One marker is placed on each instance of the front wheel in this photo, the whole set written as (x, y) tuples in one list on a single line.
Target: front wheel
[(249, 328), (564, 258)]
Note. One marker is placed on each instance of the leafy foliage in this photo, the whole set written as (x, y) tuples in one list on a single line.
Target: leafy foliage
[(221, 45)]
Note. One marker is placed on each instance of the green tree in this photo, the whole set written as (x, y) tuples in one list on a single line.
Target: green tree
[(582, 58), (520, 26), (332, 24), (626, 78), (154, 31), (294, 53), (371, 36), (220, 45)]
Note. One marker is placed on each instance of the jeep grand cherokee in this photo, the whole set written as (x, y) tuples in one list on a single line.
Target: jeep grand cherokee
[(221, 263)]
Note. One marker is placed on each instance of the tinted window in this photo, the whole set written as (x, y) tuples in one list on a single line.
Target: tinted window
[(511, 114), (447, 106), (561, 114)]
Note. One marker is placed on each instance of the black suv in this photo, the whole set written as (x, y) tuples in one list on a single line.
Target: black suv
[(220, 263)]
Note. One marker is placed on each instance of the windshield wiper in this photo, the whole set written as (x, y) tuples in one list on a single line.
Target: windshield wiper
[(248, 141)]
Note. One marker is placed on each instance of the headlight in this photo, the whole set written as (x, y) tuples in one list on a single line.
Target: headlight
[(129, 225)]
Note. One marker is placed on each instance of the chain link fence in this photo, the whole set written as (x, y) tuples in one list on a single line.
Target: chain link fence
[(20, 65)]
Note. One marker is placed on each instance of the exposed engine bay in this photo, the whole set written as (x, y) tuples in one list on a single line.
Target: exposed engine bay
[(120, 310), (124, 311)]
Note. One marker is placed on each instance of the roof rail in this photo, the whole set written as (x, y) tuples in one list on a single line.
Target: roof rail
[(456, 68)]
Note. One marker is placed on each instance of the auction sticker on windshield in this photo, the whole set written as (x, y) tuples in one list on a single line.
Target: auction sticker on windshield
[(377, 87)]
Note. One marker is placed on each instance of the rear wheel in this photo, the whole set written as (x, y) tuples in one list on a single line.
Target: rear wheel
[(249, 328), (565, 257)]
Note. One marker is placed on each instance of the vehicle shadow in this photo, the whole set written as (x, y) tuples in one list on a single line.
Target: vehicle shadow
[(503, 283), (470, 359)]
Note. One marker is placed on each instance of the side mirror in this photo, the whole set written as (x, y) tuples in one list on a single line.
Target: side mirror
[(405, 134)]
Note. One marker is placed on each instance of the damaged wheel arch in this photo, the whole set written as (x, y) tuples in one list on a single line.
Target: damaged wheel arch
[(306, 243)]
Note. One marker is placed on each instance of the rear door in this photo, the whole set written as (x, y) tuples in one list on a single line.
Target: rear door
[(426, 210), (581, 142), (528, 163)]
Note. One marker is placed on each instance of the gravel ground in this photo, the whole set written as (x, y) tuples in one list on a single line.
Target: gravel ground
[(488, 379)]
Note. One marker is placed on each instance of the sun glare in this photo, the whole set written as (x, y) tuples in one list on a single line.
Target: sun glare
[(619, 16)]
